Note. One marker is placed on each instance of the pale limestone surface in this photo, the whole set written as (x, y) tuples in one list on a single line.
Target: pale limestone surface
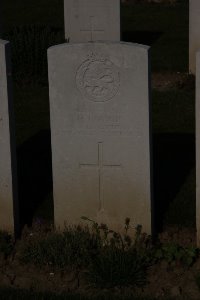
[(92, 20), (99, 109), (8, 178), (197, 109), (194, 33)]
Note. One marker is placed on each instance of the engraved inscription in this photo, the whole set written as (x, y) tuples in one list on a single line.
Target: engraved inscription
[(89, 120), (100, 166), (93, 132), (98, 78), (90, 123)]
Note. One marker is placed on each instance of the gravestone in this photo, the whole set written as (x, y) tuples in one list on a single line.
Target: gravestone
[(8, 179), (194, 33), (198, 147), (99, 108), (92, 20)]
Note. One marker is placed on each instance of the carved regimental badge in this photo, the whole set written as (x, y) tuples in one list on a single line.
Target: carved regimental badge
[(97, 78)]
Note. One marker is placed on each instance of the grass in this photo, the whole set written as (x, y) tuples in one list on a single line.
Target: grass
[(107, 258), (108, 262), (113, 265)]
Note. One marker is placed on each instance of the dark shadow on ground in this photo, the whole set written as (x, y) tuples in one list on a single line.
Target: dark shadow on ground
[(34, 174), (173, 158), (141, 37)]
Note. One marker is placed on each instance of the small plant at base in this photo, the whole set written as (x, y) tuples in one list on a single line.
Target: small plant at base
[(174, 253), (98, 229), (70, 248), (119, 261), (115, 267)]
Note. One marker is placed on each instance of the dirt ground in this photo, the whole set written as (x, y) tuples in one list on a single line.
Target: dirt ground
[(164, 279), (175, 280)]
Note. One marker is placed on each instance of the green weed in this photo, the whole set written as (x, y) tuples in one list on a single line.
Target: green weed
[(120, 260), (70, 248), (176, 254)]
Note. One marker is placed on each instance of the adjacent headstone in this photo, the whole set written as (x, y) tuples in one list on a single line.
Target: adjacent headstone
[(92, 20), (194, 33), (198, 147), (99, 108), (8, 179)]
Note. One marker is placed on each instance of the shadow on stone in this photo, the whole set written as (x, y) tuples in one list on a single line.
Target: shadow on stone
[(141, 37), (34, 174), (173, 158)]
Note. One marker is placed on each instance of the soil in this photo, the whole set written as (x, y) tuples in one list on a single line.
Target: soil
[(174, 279), (164, 279)]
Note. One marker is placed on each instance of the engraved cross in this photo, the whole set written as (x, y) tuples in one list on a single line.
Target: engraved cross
[(100, 166), (92, 28)]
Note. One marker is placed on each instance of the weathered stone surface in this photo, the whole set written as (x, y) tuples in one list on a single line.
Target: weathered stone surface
[(194, 33), (8, 178), (99, 107), (92, 20)]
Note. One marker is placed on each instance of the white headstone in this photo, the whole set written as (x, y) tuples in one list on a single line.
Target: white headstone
[(92, 20), (198, 147), (194, 33), (99, 107), (8, 179)]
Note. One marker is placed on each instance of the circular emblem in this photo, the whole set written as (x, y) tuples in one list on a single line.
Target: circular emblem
[(98, 79)]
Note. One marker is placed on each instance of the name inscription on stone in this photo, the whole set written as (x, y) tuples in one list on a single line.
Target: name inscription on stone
[(97, 120), (89, 123)]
